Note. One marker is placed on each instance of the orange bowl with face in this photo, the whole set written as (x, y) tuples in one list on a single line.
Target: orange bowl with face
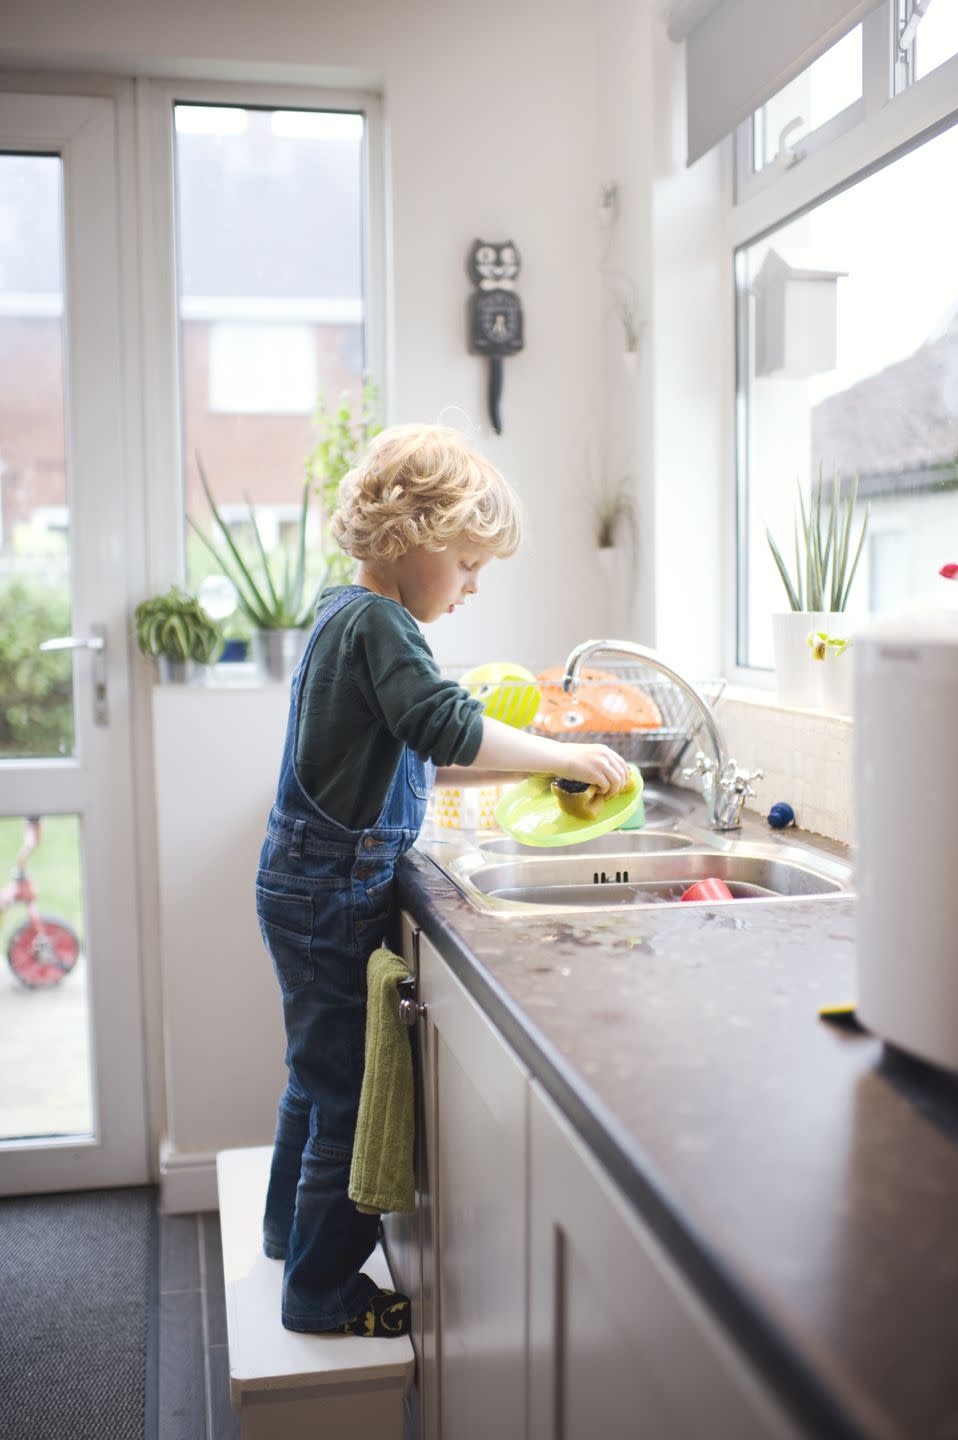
[(610, 705)]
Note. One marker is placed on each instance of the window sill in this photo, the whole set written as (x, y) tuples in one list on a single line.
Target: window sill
[(768, 700)]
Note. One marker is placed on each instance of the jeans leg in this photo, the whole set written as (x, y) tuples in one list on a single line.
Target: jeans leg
[(329, 1242), (292, 1134)]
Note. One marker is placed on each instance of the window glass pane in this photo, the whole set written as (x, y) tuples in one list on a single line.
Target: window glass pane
[(850, 363), (271, 308), (824, 90), (937, 38), (45, 1074), (36, 689)]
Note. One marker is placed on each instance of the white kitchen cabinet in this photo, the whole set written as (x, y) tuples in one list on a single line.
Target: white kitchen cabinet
[(404, 1232), (470, 1330), (544, 1308), (619, 1344)]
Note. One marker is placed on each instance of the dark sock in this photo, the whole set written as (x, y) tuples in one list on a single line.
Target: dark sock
[(386, 1314)]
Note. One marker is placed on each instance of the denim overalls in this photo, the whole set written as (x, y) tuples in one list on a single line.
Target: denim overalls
[(323, 897)]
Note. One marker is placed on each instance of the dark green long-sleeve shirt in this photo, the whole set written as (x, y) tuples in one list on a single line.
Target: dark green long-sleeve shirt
[(372, 686)]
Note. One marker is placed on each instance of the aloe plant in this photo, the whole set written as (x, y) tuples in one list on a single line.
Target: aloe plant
[(273, 601), (177, 626), (823, 574)]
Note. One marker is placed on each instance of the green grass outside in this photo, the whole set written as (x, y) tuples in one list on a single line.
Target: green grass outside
[(54, 868)]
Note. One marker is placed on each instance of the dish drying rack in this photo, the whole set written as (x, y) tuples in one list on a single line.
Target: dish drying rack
[(656, 752)]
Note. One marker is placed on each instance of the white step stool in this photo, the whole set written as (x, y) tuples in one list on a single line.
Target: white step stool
[(286, 1385)]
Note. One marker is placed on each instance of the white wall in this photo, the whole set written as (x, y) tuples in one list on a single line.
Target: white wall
[(671, 423), (626, 95), (692, 366), (216, 762)]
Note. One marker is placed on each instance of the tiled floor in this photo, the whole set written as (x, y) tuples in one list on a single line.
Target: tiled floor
[(194, 1397)]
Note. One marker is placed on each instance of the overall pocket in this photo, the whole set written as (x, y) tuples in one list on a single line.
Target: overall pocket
[(420, 775), (286, 925)]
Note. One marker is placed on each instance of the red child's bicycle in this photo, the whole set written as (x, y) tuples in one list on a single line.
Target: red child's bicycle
[(43, 949)]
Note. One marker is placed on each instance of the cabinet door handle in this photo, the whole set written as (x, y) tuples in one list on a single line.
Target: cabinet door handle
[(409, 1007), (410, 1011)]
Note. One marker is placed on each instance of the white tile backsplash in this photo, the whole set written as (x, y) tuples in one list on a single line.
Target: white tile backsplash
[(806, 756)]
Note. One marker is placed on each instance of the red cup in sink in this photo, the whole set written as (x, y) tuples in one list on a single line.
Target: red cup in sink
[(711, 888)]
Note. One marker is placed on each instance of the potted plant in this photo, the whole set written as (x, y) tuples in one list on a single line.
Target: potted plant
[(272, 599), (343, 437), (825, 567), (176, 630), (616, 532), (615, 515)]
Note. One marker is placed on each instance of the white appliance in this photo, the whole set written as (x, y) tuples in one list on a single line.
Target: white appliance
[(906, 805)]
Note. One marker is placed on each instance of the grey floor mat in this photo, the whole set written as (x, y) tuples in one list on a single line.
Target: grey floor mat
[(78, 1316)]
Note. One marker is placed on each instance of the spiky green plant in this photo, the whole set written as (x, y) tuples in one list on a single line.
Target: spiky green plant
[(177, 626), (823, 575), (274, 601)]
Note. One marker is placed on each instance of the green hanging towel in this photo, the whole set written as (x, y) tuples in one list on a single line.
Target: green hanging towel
[(381, 1175)]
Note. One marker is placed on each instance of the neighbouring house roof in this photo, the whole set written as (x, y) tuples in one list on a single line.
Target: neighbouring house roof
[(898, 429)]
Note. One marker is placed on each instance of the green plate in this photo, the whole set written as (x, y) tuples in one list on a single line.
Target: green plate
[(530, 814)]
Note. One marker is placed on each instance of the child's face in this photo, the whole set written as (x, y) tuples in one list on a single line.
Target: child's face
[(433, 582)]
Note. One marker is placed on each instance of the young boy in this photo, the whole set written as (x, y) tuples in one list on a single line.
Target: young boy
[(370, 719)]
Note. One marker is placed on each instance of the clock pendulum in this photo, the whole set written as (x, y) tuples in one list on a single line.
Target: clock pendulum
[(495, 314)]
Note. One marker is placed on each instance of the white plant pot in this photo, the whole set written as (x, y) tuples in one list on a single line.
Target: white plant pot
[(797, 673), (837, 686)]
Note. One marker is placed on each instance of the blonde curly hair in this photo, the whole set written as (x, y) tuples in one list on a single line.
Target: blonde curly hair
[(423, 485)]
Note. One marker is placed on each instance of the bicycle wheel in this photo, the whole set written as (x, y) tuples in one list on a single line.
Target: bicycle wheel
[(40, 955)]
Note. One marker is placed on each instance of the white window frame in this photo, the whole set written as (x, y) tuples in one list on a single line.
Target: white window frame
[(162, 418), (875, 50), (886, 129)]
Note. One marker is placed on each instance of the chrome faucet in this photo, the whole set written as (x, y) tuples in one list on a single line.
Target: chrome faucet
[(724, 786)]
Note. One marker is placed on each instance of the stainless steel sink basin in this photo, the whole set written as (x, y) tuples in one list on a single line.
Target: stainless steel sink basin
[(617, 842), (662, 807), (604, 879), (638, 869)]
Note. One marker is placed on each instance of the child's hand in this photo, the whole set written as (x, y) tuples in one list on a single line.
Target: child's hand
[(595, 764)]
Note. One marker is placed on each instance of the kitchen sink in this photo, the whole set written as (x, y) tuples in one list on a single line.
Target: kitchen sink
[(662, 807), (617, 842), (609, 879), (638, 869)]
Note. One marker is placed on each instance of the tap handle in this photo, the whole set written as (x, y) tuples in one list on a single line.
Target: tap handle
[(703, 766), (755, 775), (740, 781)]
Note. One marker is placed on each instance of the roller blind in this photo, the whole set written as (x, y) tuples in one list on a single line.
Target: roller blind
[(739, 53)]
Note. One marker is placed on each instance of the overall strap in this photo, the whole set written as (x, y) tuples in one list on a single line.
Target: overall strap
[(350, 593)]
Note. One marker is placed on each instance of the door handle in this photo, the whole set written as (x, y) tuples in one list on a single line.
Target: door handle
[(95, 641)]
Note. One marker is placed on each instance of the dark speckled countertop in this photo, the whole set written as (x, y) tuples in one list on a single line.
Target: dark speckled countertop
[(803, 1175)]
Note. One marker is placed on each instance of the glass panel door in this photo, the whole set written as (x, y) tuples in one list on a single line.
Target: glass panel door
[(45, 1077), (72, 1105)]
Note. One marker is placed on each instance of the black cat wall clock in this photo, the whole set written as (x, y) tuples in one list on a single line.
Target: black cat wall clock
[(495, 314)]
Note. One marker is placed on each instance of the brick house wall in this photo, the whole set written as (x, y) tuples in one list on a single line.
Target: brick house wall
[(260, 453)]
